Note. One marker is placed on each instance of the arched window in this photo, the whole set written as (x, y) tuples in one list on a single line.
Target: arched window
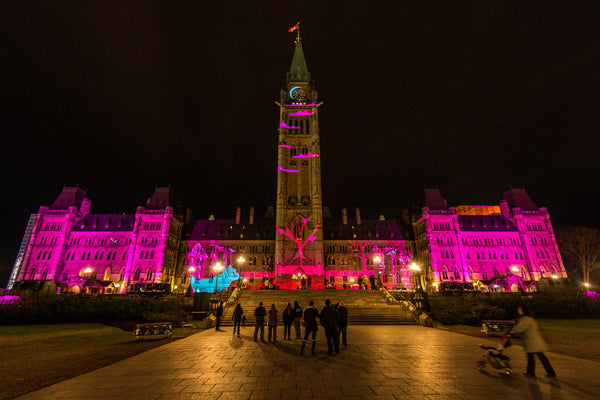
[(496, 273), (65, 276), (136, 276), (45, 274), (456, 273), (124, 255), (484, 274), (89, 255), (107, 274), (39, 255), (468, 255), (83, 256), (442, 254), (32, 274), (152, 255), (547, 254), (122, 274), (45, 255), (444, 272), (149, 274), (451, 254)]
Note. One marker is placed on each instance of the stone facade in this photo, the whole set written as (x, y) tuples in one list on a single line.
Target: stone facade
[(511, 243), (507, 245), (106, 253)]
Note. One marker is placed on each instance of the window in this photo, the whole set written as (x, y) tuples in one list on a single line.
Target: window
[(136, 276), (484, 274), (149, 274), (32, 274), (152, 255), (124, 255), (444, 273), (456, 273), (122, 274), (39, 255), (45, 274), (65, 276)]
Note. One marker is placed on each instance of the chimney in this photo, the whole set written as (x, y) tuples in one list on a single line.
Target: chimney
[(358, 216), (238, 214), (344, 216), (251, 221)]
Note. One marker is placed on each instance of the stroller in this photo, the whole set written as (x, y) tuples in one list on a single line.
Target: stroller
[(494, 356)]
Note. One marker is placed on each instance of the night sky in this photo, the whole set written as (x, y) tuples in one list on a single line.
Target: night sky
[(471, 97)]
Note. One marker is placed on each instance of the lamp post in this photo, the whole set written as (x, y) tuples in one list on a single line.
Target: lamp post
[(218, 268), (416, 273), (377, 260), (240, 261)]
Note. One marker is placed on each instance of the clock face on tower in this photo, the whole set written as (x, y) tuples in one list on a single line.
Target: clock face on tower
[(297, 93)]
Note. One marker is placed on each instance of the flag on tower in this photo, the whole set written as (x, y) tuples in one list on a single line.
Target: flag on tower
[(293, 28)]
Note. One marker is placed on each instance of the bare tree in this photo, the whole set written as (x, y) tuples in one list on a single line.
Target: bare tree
[(581, 246)]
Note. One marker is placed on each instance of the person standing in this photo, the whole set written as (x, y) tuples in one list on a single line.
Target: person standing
[(329, 320), (533, 342), (366, 282), (310, 325), (303, 283), (272, 324), (309, 282), (259, 322), (372, 279), (343, 323), (238, 314), (288, 319), (219, 315), (360, 282), (297, 319)]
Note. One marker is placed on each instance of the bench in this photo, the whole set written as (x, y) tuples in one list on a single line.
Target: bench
[(164, 329), (490, 326)]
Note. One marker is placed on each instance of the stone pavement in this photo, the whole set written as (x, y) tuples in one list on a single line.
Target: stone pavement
[(381, 362)]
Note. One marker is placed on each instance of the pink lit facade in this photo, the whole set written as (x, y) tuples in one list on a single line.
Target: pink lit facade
[(102, 253), (496, 247)]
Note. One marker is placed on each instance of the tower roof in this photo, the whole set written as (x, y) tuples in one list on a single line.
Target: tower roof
[(298, 69), (70, 196)]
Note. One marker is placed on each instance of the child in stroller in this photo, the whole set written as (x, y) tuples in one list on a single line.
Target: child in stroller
[(494, 356)]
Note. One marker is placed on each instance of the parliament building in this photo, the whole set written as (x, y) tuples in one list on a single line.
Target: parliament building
[(159, 247)]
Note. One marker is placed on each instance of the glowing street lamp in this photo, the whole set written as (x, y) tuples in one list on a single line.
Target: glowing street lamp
[(241, 260), (554, 276), (416, 273), (587, 284), (218, 268)]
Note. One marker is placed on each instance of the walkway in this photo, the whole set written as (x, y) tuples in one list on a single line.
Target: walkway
[(381, 362)]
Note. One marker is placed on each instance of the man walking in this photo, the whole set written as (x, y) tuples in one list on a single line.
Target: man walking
[(259, 322), (310, 325), (297, 319), (329, 319), (343, 323)]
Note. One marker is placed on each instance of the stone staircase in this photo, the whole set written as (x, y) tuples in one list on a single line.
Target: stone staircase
[(365, 307)]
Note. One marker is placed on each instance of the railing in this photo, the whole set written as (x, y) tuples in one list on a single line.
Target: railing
[(420, 317)]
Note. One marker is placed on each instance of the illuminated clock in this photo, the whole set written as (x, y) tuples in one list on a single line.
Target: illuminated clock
[(297, 93)]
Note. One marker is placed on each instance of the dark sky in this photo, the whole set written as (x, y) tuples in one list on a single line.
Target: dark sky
[(471, 97)]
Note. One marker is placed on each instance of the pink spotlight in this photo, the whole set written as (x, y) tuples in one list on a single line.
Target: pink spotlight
[(309, 155), (280, 168), (302, 112), (299, 105), (288, 146), (283, 125)]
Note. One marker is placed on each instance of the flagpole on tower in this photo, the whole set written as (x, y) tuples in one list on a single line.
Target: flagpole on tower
[(298, 37)]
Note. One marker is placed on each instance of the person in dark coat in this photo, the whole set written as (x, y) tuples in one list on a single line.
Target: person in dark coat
[(238, 313), (372, 279), (219, 315), (272, 324), (329, 320), (343, 323), (259, 322), (533, 342), (310, 325), (288, 319), (297, 319)]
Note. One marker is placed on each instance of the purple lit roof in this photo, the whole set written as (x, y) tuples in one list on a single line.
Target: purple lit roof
[(370, 229), (162, 197), (226, 229), (490, 223), (434, 200), (520, 198), (70, 196), (105, 223)]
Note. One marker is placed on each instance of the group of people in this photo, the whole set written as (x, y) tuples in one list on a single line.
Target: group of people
[(333, 318)]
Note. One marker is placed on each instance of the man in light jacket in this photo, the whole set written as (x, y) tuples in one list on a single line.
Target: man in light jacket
[(533, 342)]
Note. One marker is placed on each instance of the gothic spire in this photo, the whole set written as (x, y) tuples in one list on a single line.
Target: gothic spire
[(298, 70)]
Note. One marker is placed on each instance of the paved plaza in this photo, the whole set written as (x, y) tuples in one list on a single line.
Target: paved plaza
[(381, 362)]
